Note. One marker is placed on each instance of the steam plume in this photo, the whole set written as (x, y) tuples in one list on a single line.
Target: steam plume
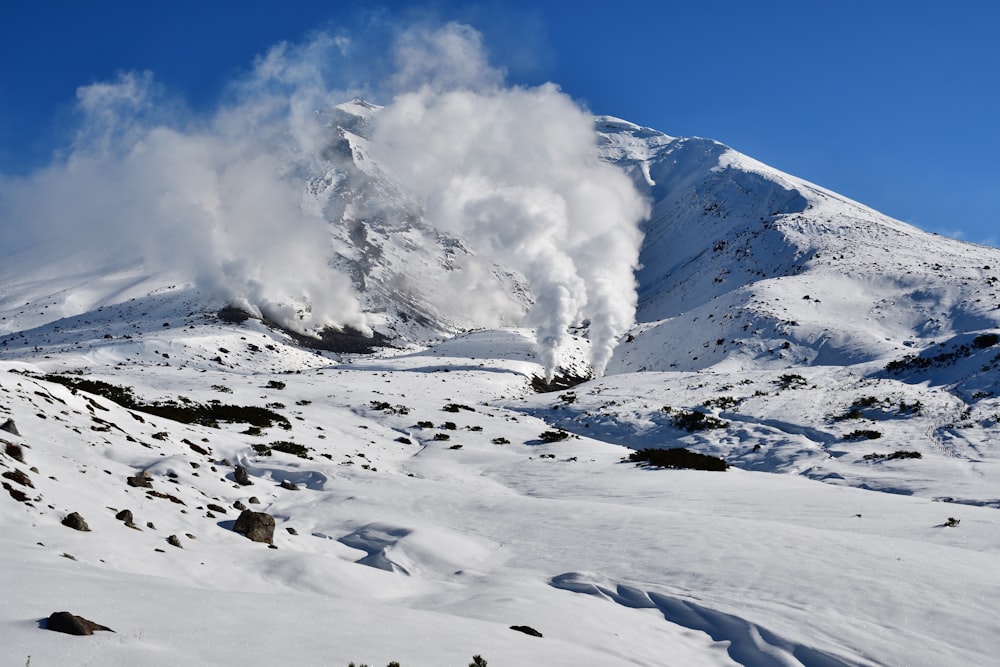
[(516, 172)]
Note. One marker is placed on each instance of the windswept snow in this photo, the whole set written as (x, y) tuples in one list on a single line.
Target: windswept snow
[(844, 364)]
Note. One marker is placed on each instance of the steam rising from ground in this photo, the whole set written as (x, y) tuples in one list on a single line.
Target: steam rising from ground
[(220, 198), (516, 172)]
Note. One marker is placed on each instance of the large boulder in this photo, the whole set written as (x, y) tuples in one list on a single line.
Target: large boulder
[(76, 522), (256, 526), (63, 621)]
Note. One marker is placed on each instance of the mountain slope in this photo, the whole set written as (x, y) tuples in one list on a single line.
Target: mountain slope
[(426, 498)]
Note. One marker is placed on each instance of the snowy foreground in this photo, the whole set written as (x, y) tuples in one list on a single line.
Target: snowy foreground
[(423, 544)]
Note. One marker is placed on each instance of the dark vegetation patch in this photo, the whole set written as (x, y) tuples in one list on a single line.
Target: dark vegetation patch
[(457, 407), (184, 410), (388, 408), (677, 457), (295, 449), (863, 434), (879, 408), (790, 381), (553, 436), (693, 420), (899, 454), (922, 362)]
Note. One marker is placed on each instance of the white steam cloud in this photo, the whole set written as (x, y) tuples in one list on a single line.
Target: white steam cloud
[(217, 200), (220, 197), (516, 172)]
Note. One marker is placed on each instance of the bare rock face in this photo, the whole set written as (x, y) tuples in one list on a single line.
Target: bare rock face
[(256, 526), (9, 426), (241, 476), (76, 522), (63, 621), (142, 480)]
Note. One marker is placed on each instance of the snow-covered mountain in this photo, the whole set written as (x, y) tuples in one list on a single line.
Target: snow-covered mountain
[(427, 498)]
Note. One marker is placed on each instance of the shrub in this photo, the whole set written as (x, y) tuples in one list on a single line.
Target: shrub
[(553, 436), (261, 450), (456, 407), (697, 421), (440, 437), (985, 340), (791, 381), (275, 384), (501, 441), (678, 457), (863, 434), (292, 448)]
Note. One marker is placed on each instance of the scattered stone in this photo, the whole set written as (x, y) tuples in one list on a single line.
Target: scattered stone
[(253, 500), (190, 536), (143, 480), (285, 484), (149, 524), (70, 624), (17, 494), (76, 522), (125, 516), (292, 531), (526, 629), (255, 526), (952, 522), (70, 556), (14, 451), (10, 427), (217, 508), (165, 496), (239, 505), (19, 477), (174, 541), (241, 476)]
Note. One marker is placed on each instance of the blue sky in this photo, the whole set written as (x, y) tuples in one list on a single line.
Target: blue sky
[(894, 104)]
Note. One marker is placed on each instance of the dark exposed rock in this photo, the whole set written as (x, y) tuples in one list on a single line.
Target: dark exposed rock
[(291, 486), (217, 508), (526, 629), (14, 451), (292, 531), (256, 526), (10, 427), (239, 505), (19, 477), (125, 516), (17, 494), (174, 541), (75, 521), (70, 624), (253, 500), (241, 475), (142, 480)]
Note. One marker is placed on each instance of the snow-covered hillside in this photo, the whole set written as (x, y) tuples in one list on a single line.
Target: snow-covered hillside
[(426, 498)]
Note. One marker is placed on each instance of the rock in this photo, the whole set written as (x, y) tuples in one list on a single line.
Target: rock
[(174, 541), (14, 451), (217, 508), (9, 427), (526, 629), (285, 484), (239, 505), (253, 500), (76, 522), (19, 477), (143, 480), (255, 526), (241, 476), (63, 621), (292, 531), (125, 516)]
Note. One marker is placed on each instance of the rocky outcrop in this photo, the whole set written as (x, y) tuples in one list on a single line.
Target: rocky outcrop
[(256, 526)]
